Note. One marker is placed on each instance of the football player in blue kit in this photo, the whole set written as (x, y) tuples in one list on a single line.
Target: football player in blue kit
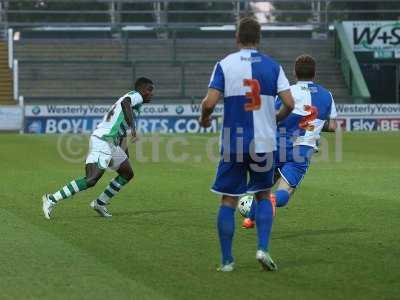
[(249, 82), (299, 133)]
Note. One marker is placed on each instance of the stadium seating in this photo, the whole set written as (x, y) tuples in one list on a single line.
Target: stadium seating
[(102, 71), (6, 88)]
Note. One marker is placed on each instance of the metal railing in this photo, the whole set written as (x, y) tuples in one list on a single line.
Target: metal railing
[(349, 65), (169, 13)]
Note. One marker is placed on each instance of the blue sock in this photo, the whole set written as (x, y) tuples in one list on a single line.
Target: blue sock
[(264, 218), (252, 213), (226, 229), (282, 198)]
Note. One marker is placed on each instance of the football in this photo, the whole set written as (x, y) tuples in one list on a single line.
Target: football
[(245, 205)]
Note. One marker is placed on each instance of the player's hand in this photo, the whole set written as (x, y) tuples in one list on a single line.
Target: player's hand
[(205, 122), (134, 137)]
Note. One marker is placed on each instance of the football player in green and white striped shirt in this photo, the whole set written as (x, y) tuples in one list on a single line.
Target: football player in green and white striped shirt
[(106, 151)]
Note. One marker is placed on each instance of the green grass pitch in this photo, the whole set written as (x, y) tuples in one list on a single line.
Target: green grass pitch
[(338, 239)]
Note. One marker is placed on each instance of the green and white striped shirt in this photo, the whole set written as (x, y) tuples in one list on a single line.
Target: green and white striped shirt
[(113, 127)]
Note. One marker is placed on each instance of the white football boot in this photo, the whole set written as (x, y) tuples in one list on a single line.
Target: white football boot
[(101, 209), (266, 261), (227, 268), (48, 206)]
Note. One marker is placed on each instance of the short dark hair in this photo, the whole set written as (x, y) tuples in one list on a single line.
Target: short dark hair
[(305, 67), (249, 31), (142, 81)]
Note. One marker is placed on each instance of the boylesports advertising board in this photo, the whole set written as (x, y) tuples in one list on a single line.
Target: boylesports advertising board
[(84, 118), (183, 118)]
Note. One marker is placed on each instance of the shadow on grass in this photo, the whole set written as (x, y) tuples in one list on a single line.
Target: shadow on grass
[(317, 232), (128, 213), (283, 265), (301, 262)]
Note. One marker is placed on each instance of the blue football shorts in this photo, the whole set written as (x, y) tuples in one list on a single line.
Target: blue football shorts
[(292, 165), (237, 176)]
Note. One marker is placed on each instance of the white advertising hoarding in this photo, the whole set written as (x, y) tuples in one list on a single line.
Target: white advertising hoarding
[(176, 118), (10, 118), (374, 36)]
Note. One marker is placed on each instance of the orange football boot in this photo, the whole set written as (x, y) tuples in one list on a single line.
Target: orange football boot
[(248, 223)]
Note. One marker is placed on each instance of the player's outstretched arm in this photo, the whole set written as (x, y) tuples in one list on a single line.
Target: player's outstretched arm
[(287, 107), (128, 114), (207, 106)]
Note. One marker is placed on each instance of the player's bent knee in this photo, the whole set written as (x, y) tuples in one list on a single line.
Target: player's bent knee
[(229, 201), (262, 195)]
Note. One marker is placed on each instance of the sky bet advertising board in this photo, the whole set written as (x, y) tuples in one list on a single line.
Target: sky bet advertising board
[(183, 118)]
